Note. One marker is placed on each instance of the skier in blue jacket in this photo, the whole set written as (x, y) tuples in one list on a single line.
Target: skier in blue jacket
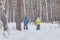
[(25, 23)]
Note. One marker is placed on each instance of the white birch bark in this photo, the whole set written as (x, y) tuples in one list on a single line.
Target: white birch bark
[(24, 7), (46, 10), (4, 15), (7, 10), (37, 8), (40, 10), (51, 11), (14, 8)]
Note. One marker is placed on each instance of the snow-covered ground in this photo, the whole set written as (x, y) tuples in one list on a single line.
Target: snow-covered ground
[(48, 31)]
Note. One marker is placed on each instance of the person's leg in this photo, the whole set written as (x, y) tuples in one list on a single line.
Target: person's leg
[(39, 27), (26, 27)]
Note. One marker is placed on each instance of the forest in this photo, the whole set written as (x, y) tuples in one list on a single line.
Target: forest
[(16, 10)]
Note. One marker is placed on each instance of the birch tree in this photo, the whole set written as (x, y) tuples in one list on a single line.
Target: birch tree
[(3, 16), (10, 16), (40, 10), (46, 10), (14, 9), (24, 8), (51, 9)]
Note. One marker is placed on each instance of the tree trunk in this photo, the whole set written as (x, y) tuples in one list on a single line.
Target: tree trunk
[(3, 16), (18, 15)]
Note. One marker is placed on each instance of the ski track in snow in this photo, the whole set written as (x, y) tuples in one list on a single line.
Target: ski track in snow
[(47, 32)]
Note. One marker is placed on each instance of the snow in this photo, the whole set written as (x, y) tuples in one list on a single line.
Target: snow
[(48, 31)]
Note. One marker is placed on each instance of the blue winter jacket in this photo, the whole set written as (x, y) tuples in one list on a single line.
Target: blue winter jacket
[(25, 21)]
